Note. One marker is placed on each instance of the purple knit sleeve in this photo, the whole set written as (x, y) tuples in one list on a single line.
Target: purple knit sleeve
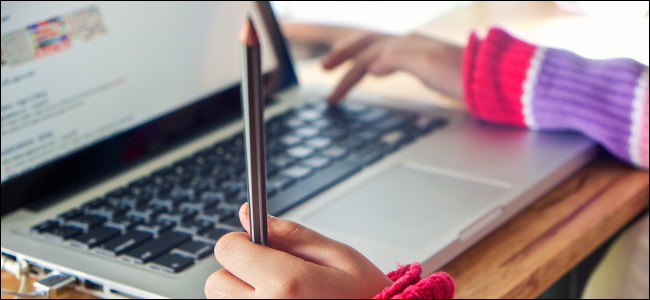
[(606, 100), (509, 81)]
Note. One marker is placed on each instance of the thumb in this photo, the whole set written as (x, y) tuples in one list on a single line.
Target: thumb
[(300, 241)]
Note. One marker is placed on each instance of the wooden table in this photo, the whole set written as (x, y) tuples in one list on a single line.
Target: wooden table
[(522, 258)]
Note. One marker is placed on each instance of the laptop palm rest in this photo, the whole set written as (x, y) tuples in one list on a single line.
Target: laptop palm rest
[(428, 205)]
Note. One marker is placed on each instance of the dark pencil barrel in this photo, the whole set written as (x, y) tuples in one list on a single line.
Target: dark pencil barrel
[(253, 110)]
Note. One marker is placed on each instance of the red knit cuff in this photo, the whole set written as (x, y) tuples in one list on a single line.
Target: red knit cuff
[(494, 71), (408, 285)]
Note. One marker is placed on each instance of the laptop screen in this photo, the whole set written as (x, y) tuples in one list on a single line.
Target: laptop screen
[(75, 73), (90, 89)]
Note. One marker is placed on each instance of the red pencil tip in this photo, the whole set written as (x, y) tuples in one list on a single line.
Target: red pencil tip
[(248, 34)]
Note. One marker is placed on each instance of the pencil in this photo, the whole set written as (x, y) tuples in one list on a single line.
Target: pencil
[(253, 110)]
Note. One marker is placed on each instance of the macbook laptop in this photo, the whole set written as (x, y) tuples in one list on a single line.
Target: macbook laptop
[(122, 151)]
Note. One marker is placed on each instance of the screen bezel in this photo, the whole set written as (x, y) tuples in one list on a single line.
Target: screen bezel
[(131, 148)]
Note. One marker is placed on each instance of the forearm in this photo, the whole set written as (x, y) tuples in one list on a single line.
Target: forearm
[(509, 81)]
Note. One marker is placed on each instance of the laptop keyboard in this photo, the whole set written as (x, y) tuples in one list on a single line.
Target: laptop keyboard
[(171, 218)]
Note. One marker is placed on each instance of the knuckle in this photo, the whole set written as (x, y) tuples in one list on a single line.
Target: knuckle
[(212, 288), (347, 252), (290, 229), (290, 286), (225, 244)]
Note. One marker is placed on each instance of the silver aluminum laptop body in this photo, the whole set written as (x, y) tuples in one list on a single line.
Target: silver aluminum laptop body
[(425, 203)]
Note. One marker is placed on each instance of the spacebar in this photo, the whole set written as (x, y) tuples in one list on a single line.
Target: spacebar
[(305, 189)]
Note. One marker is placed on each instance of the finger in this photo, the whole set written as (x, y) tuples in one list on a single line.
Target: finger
[(381, 68), (349, 49), (254, 264), (302, 242), (354, 75), (222, 284)]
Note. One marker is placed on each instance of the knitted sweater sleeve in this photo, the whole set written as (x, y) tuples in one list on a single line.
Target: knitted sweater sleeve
[(509, 81), (407, 284)]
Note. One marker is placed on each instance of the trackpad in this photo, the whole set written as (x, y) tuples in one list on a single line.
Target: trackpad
[(409, 207)]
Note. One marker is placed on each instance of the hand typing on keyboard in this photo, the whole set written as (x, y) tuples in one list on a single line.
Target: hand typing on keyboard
[(299, 263)]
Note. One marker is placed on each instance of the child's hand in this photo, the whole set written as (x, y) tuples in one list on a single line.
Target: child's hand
[(299, 263), (436, 63)]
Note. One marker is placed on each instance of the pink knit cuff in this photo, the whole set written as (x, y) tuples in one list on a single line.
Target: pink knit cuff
[(493, 72), (408, 285)]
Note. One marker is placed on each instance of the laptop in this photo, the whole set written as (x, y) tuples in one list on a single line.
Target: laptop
[(122, 151)]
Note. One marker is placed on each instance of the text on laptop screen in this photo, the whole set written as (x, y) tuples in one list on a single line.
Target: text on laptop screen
[(76, 73)]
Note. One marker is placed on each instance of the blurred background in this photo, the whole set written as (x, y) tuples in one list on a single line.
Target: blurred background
[(595, 29), (394, 17)]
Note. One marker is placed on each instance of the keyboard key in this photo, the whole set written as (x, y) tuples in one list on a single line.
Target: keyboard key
[(307, 132), (164, 174), (61, 233), (309, 115), (196, 206), (177, 216), (297, 172), (319, 143), (280, 182), (164, 204), (428, 123), (107, 211), (335, 152), (290, 197), (231, 224), (334, 133), (393, 139), (64, 217), (145, 212), (290, 140), (194, 227), (49, 224), (94, 237), (145, 184), (124, 222), (321, 124), (393, 122), (294, 123), (120, 244), (117, 195), (213, 235), (182, 194), (281, 161), (97, 202), (353, 108), (300, 152), (368, 137), (85, 222), (156, 227), (230, 188), (194, 250), (215, 215), (154, 248), (212, 197), (171, 263), (316, 162), (365, 157), (373, 115)]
